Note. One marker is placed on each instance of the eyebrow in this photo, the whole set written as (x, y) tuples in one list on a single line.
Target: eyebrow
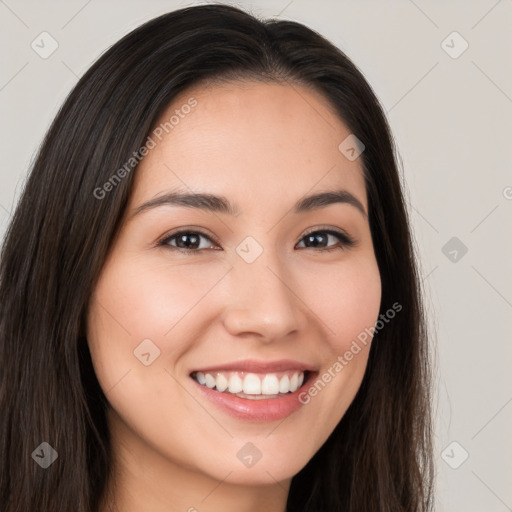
[(220, 204)]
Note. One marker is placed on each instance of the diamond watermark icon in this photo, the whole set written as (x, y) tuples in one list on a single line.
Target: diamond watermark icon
[(351, 147), (249, 455), (454, 45), (454, 249), (249, 249), (454, 455), (45, 455), (146, 352), (44, 45)]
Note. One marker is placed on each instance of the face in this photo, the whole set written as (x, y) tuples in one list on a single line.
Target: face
[(221, 338)]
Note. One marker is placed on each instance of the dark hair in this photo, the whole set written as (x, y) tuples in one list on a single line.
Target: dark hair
[(379, 457)]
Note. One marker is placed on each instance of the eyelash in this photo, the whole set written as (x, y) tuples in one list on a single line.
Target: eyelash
[(345, 240)]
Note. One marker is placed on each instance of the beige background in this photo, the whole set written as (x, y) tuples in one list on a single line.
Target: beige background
[(452, 119)]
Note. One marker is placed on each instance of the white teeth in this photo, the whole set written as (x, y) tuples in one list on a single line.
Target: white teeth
[(293, 382), (235, 384), (221, 383), (270, 385), (252, 384), (284, 384), (210, 380), (259, 386)]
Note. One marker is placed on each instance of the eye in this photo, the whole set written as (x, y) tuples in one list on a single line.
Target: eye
[(318, 237), (188, 241)]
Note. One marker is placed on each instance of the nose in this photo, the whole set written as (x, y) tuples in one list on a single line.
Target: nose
[(262, 301)]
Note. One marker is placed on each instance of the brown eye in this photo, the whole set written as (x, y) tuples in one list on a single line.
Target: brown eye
[(186, 241), (320, 237)]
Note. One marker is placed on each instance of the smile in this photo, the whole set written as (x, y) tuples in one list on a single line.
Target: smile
[(252, 385), (254, 390)]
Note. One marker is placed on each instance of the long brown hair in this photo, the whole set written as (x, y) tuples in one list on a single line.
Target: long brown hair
[(379, 457)]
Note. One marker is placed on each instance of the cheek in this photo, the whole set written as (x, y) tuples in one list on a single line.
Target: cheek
[(346, 299), (131, 305), (135, 301)]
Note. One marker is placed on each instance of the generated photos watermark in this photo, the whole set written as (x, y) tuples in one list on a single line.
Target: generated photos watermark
[(158, 133), (343, 360)]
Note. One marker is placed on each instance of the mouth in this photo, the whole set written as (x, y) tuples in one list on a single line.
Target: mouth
[(255, 391), (252, 386)]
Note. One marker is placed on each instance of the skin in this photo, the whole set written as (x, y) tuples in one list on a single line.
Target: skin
[(263, 146)]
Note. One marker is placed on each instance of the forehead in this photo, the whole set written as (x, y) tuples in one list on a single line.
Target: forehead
[(262, 139)]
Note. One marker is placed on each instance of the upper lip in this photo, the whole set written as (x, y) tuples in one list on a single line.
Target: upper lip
[(255, 366)]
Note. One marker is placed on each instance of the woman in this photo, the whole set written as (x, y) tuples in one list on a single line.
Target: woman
[(209, 296)]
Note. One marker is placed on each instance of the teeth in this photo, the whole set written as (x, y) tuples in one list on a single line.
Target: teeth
[(270, 385), (284, 384), (252, 384), (210, 380), (258, 386), (221, 383), (293, 382), (235, 384)]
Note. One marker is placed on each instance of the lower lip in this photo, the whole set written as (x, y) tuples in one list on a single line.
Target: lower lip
[(256, 410)]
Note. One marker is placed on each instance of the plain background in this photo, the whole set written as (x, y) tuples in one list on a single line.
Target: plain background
[(452, 120)]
